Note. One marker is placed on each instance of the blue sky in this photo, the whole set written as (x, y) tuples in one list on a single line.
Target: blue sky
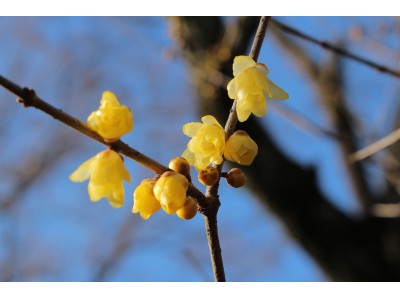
[(55, 233)]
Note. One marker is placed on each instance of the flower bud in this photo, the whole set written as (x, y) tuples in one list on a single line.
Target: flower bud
[(170, 190), (188, 210), (180, 165), (240, 148), (236, 178), (111, 120), (209, 176), (145, 202)]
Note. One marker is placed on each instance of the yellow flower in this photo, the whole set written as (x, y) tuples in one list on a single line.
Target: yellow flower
[(107, 172), (145, 202), (170, 190), (240, 148), (207, 143), (251, 86), (111, 120)]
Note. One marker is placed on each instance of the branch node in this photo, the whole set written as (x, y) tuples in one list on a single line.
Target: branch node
[(29, 97)]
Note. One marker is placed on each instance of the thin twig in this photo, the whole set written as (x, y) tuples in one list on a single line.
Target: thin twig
[(375, 147), (28, 98), (212, 192), (302, 122), (337, 50)]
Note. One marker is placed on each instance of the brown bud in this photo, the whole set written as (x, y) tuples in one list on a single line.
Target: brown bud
[(236, 178), (180, 165), (188, 210), (209, 176)]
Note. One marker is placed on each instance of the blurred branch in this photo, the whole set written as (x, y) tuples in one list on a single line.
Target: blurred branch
[(327, 80), (375, 147), (195, 263), (346, 248), (386, 210), (300, 121), (34, 167), (122, 243), (335, 49)]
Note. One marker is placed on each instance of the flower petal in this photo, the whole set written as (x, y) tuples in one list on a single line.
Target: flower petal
[(125, 174), (83, 171), (189, 156), (232, 89), (190, 129), (262, 82), (276, 91), (109, 98), (240, 63), (209, 119), (116, 198), (263, 68), (95, 193), (259, 106), (202, 161), (243, 111)]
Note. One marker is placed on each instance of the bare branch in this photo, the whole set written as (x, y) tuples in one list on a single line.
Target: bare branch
[(335, 49), (29, 98), (328, 82), (375, 147), (212, 192)]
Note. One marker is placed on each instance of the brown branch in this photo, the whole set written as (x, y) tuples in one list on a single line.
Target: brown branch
[(212, 192), (375, 147), (340, 51), (302, 122), (346, 248), (28, 98)]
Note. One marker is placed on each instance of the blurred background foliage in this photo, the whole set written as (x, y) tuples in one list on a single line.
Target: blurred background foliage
[(308, 214)]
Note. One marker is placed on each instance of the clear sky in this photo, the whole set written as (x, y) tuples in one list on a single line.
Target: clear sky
[(54, 233)]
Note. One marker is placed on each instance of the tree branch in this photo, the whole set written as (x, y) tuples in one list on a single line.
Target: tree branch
[(340, 51), (375, 147), (212, 192), (347, 249), (328, 83), (28, 98)]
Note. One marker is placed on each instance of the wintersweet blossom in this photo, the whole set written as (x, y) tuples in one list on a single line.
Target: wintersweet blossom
[(251, 87), (145, 202), (207, 143), (106, 171), (170, 190), (111, 120), (240, 148)]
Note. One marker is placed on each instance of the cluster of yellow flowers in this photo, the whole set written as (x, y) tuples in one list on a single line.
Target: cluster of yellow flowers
[(106, 170), (167, 192), (208, 145)]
